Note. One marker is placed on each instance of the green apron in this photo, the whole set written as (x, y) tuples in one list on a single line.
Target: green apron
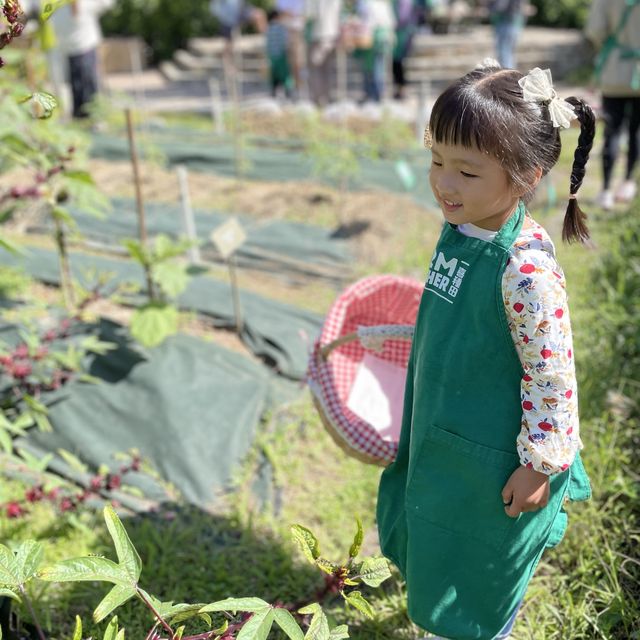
[(440, 514)]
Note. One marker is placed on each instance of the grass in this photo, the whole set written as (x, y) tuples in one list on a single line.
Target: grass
[(586, 588)]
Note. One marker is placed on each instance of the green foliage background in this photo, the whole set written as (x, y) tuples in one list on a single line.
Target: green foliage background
[(560, 13), (165, 25)]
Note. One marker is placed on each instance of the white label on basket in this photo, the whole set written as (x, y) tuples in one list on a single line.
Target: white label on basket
[(377, 395)]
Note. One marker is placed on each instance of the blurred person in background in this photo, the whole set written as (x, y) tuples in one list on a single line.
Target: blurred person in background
[(407, 14), (322, 33), (614, 28), (277, 42), (232, 16), (508, 18), (379, 26), (77, 36), (292, 16)]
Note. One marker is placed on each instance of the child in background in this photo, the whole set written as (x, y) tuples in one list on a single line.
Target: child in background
[(277, 49), (490, 440)]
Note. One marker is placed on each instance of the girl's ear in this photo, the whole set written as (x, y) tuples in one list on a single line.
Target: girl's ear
[(532, 182)]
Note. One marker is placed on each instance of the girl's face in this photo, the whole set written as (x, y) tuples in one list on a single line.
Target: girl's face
[(471, 186)]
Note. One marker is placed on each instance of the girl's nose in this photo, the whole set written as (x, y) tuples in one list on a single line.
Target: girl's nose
[(445, 184)]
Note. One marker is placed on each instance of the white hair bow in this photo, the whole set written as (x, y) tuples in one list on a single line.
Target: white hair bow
[(537, 87)]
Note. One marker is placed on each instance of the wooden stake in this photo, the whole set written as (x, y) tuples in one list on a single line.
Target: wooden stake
[(217, 112), (187, 215), (142, 227), (235, 291)]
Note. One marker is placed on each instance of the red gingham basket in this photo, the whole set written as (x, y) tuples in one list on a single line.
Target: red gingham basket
[(389, 305)]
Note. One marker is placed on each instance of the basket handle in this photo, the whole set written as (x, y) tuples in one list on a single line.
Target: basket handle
[(378, 333)]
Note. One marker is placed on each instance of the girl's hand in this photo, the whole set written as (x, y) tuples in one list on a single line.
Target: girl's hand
[(526, 490)]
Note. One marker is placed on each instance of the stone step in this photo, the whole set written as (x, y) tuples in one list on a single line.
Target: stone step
[(437, 58)]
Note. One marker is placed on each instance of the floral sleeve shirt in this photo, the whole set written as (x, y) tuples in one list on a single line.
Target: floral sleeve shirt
[(535, 298)]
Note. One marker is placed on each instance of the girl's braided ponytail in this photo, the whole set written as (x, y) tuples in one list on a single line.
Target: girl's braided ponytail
[(575, 225)]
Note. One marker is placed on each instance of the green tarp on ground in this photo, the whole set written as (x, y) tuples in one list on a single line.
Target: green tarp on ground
[(271, 244), (272, 164), (190, 407), (279, 333)]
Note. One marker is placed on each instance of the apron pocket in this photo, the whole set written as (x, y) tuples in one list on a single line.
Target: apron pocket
[(456, 485)]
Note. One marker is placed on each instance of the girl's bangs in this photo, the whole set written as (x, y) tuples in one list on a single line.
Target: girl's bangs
[(456, 121)]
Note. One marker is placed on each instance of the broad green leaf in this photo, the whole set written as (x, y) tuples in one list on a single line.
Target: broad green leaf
[(120, 635), (63, 215), (41, 104), (258, 626), (73, 461), (327, 567), (28, 559), (50, 7), (9, 593), (236, 604), (80, 176), (179, 633), (136, 251), (86, 569), (307, 541), (34, 404), (127, 555), (319, 626), (77, 633), (172, 278), (23, 421), (339, 633), (43, 424), (165, 248), (356, 600), (6, 442), (374, 571), (33, 463), (111, 631), (9, 575), (116, 597), (153, 323), (288, 624), (7, 245), (95, 345), (357, 541)]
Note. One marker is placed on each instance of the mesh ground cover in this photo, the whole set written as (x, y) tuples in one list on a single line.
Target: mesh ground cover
[(279, 333), (189, 406), (274, 245), (270, 164)]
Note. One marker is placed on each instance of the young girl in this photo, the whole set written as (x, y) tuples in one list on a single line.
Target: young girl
[(489, 445)]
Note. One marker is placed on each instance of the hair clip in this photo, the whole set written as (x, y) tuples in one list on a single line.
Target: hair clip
[(428, 140), (538, 87)]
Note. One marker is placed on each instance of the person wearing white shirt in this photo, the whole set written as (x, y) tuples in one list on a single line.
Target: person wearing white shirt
[(323, 33), (78, 35)]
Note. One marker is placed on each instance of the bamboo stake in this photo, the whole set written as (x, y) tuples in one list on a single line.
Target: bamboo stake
[(142, 227)]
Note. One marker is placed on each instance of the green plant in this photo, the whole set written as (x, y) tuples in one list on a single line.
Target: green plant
[(166, 278), (246, 618), (334, 156)]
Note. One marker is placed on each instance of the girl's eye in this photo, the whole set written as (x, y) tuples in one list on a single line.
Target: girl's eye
[(468, 175), (436, 164)]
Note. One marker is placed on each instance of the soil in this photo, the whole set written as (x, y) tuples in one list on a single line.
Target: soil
[(378, 221)]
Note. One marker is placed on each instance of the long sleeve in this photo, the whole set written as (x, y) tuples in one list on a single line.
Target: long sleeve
[(536, 303)]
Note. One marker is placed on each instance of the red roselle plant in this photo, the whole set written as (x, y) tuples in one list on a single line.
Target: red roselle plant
[(242, 618), (47, 186), (66, 501), (12, 12), (39, 364)]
